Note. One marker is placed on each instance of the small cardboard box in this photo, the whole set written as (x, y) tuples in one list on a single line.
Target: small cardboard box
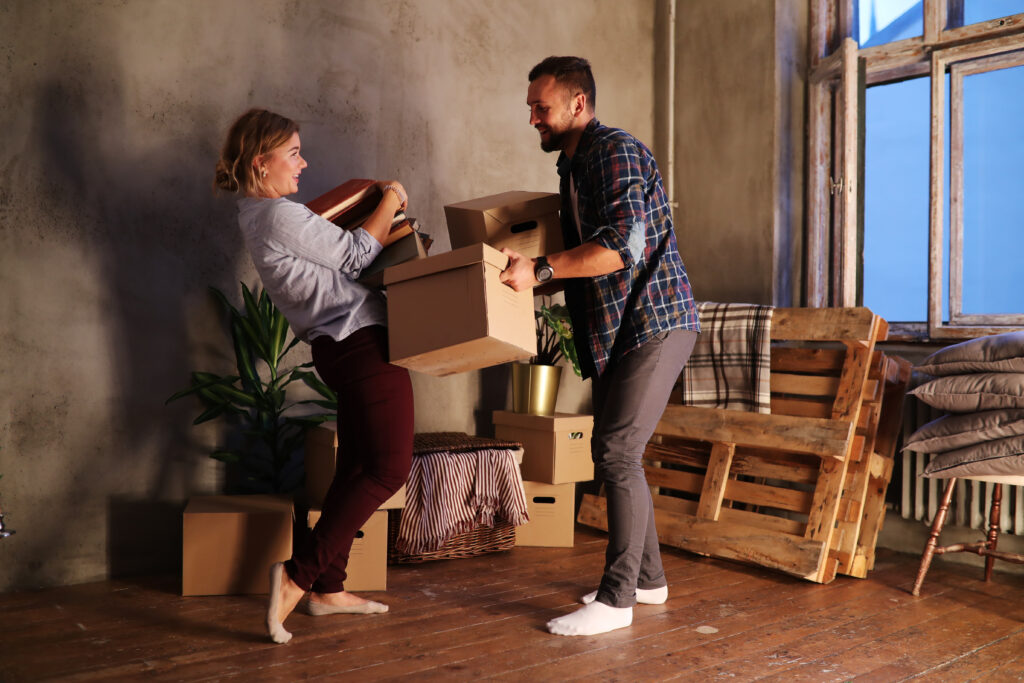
[(556, 448), (450, 313), (321, 459), (229, 543), (526, 222), (552, 522), (367, 568)]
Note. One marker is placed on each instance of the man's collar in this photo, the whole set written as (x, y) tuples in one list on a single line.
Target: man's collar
[(564, 163)]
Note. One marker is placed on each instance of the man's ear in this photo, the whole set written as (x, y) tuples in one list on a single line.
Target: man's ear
[(579, 104)]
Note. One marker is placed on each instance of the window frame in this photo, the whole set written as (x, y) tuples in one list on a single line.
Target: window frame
[(839, 72)]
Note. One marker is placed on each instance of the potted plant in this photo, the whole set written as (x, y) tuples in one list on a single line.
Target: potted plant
[(256, 398), (535, 384)]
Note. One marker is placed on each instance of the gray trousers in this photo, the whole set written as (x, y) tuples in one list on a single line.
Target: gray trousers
[(629, 398)]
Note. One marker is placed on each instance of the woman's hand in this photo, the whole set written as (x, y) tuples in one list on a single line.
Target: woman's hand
[(394, 186)]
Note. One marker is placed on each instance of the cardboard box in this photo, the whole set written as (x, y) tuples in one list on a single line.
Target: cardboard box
[(552, 522), (367, 568), (556, 448), (321, 458), (450, 313), (526, 222), (229, 543)]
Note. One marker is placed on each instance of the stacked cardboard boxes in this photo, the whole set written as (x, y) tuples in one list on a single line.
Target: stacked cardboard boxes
[(556, 455), (450, 312)]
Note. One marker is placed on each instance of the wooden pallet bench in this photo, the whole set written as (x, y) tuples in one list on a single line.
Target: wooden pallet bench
[(801, 490)]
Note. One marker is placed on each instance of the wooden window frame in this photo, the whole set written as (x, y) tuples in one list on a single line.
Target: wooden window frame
[(839, 72)]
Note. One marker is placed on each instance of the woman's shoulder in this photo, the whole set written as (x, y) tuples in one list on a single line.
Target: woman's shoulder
[(272, 212)]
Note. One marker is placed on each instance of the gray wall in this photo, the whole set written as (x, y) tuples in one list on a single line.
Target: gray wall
[(112, 113), (739, 147)]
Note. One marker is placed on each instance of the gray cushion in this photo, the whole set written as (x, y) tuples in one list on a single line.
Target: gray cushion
[(969, 393), (994, 353), (1001, 457), (950, 432)]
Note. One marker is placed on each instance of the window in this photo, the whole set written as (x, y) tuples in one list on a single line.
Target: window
[(914, 163)]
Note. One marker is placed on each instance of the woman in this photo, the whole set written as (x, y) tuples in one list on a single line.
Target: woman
[(308, 267)]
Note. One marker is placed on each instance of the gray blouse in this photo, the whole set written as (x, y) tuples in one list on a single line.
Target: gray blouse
[(308, 266)]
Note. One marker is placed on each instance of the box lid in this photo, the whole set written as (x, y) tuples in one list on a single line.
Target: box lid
[(475, 253), (239, 503), (548, 423), (511, 206)]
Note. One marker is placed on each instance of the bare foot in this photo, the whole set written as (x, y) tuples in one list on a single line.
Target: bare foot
[(284, 596), (342, 602)]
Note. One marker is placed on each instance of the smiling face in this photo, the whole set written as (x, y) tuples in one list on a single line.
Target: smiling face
[(283, 165), (552, 112)]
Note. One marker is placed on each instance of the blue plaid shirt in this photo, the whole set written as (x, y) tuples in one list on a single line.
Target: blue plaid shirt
[(623, 207)]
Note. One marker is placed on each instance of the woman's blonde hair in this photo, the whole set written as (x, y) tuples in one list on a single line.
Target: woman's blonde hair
[(255, 133)]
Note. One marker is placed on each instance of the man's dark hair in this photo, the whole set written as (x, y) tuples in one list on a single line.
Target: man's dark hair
[(572, 72)]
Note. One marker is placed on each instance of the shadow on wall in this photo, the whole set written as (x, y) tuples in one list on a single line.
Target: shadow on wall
[(144, 214)]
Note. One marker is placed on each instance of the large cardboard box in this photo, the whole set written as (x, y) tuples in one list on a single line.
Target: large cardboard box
[(526, 222), (552, 521), (229, 543), (367, 568), (321, 460), (450, 313), (556, 448)]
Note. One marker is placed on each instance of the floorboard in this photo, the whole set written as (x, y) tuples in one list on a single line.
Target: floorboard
[(483, 618)]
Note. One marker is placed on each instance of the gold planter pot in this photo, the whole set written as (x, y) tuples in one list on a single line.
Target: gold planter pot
[(535, 388)]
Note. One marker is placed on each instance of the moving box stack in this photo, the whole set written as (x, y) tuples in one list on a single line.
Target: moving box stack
[(556, 455)]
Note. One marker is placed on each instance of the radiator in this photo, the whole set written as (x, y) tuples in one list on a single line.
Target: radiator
[(918, 498)]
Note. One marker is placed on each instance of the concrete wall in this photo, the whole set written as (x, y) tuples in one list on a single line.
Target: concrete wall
[(112, 114), (739, 147)]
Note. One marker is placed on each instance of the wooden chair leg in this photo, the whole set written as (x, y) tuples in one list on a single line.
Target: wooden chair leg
[(933, 539), (993, 529)]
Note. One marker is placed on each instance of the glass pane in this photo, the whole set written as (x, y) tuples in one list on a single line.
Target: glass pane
[(983, 10), (993, 105), (886, 21), (896, 161)]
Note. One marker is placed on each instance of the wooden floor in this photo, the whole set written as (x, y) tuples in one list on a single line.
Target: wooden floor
[(484, 618)]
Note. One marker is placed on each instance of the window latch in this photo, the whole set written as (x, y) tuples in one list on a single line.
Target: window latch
[(835, 186)]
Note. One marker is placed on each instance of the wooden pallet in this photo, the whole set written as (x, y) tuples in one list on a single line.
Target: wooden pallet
[(800, 490)]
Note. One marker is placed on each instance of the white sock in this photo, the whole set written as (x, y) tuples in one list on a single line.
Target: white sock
[(592, 619), (644, 596)]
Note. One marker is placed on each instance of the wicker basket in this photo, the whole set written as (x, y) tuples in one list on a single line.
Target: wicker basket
[(479, 541)]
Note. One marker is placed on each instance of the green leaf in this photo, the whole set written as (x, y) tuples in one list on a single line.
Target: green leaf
[(329, 405), (226, 456), (209, 414)]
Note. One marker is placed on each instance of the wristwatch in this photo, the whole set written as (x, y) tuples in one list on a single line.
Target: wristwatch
[(542, 270)]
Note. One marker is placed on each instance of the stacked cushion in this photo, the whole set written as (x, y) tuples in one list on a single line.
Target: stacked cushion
[(982, 382)]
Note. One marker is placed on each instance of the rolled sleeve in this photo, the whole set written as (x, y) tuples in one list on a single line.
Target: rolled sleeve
[(620, 180)]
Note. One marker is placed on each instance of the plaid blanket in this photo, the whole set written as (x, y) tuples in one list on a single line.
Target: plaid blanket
[(450, 492), (730, 366)]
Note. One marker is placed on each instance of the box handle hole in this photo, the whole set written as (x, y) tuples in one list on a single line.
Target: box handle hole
[(524, 226), (544, 500)]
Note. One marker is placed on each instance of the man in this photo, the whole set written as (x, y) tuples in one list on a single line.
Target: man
[(633, 314)]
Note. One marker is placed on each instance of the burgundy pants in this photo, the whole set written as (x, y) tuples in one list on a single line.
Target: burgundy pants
[(375, 430)]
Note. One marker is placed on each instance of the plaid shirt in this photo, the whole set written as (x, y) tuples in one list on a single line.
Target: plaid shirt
[(623, 207)]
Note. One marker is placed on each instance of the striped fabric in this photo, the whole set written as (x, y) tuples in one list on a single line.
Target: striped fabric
[(730, 366), (449, 493)]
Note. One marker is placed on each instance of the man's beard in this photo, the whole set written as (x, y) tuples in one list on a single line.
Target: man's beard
[(553, 142)]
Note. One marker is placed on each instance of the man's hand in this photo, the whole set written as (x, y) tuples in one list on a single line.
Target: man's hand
[(519, 273)]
